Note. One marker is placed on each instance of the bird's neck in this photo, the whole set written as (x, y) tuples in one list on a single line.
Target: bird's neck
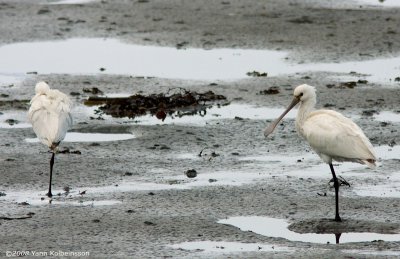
[(302, 114)]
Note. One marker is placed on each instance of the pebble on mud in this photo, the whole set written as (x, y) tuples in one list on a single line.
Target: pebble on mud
[(68, 151), (11, 121), (256, 74), (93, 90), (369, 112), (191, 173), (362, 81), (271, 90), (350, 84)]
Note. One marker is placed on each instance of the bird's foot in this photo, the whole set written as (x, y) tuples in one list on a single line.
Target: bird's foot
[(341, 181), (338, 219), (49, 194)]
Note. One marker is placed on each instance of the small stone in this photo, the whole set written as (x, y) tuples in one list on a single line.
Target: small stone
[(362, 81), (191, 173), (271, 90), (350, 84), (368, 112), (256, 74)]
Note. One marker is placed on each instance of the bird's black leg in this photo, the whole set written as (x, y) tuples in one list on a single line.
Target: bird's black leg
[(337, 236), (49, 194), (336, 185)]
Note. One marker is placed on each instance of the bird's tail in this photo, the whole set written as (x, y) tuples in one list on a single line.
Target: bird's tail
[(369, 162)]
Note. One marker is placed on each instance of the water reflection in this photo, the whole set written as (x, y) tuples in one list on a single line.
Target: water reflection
[(167, 62), (89, 137), (272, 227), (216, 113)]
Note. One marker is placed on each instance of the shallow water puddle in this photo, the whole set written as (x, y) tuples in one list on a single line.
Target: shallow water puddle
[(14, 119), (131, 187), (387, 116), (272, 227), (180, 182), (173, 183), (209, 114), (130, 59), (72, 202), (377, 70), (253, 175), (232, 111), (220, 178), (308, 165), (6, 80), (384, 184), (167, 62), (89, 137), (229, 247), (385, 3), (39, 198), (60, 2), (389, 189), (374, 252)]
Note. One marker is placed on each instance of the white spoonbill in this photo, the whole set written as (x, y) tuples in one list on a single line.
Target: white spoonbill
[(330, 134), (50, 115)]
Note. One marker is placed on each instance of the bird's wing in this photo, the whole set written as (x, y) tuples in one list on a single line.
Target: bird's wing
[(332, 134), (64, 124), (42, 119), (50, 117)]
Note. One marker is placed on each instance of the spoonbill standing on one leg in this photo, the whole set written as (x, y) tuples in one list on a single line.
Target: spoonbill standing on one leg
[(51, 118), (331, 135)]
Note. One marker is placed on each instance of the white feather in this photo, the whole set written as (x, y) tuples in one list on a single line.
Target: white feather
[(50, 115), (333, 136), (330, 134)]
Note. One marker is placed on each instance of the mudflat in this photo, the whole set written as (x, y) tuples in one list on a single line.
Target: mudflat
[(126, 193)]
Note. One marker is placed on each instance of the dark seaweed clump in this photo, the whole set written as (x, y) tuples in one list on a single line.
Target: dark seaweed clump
[(179, 104)]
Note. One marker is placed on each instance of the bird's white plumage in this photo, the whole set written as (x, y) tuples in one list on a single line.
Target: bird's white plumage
[(50, 115), (330, 134), (336, 137)]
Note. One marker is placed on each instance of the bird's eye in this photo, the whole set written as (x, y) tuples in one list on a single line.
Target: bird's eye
[(301, 94)]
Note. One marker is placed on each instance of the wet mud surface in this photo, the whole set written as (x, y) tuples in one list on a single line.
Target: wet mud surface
[(129, 193)]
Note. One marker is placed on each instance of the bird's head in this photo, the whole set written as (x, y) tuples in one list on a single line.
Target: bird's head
[(41, 88), (304, 92)]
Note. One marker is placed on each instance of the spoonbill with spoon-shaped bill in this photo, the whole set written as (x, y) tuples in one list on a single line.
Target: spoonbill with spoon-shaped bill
[(50, 115), (330, 134)]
